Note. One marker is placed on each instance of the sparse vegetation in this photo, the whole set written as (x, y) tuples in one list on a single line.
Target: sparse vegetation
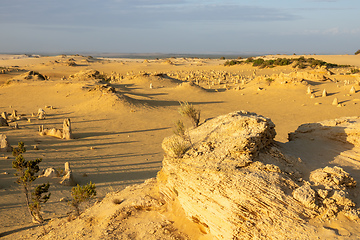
[(179, 146), (231, 63), (269, 81), (82, 194), (191, 112), (357, 52), (354, 70), (180, 129), (300, 62), (27, 174)]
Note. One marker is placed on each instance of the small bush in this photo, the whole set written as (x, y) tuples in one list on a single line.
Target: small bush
[(179, 129), (82, 194), (179, 147), (191, 112), (357, 52), (231, 63), (258, 62), (355, 70), (269, 81), (249, 60)]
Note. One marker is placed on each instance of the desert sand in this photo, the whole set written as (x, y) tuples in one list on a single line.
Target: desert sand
[(122, 109)]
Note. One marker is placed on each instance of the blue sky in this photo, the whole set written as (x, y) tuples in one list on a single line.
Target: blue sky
[(180, 26)]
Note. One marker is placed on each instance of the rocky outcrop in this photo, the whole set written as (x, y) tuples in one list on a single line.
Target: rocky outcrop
[(64, 133), (234, 183)]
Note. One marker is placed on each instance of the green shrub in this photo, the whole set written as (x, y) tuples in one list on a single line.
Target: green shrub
[(249, 60), (231, 63), (258, 62), (82, 194), (354, 70), (357, 52)]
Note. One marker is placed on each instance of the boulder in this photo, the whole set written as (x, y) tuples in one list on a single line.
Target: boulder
[(50, 173), (332, 177), (4, 144)]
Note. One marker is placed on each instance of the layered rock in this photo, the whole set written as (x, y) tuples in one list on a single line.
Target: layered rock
[(233, 182)]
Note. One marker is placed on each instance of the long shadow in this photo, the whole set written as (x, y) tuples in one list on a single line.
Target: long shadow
[(3, 234), (62, 146), (99, 157), (97, 134), (135, 175), (150, 96), (313, 83)]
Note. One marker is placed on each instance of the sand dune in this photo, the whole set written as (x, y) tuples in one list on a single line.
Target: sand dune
[(119, 121)]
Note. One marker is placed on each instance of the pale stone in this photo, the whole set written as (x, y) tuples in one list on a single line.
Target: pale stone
[(4, 115), (335, 102), (68, 179), (352, 90), (51, 173), (4, 144), (308, 91), (64, 133), (324, 93)]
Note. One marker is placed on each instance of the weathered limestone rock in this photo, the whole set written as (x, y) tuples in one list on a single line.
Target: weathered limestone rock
[(4, 115), (64, 133), (4, 144), (41, 114), (68, 179), (324, 93), (332, 177), (335, 102), (228, 182), (308, 91), (50, 173), (306, 195), (14, 114), (352, 90)]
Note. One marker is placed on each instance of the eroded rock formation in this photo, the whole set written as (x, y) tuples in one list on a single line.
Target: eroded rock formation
[(4, 144), (64, 133), (236, 184), (228, 184)]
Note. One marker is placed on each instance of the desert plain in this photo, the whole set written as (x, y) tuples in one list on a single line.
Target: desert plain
[(121, 110)]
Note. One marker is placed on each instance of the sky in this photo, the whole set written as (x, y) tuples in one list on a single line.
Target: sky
[(180, 26)]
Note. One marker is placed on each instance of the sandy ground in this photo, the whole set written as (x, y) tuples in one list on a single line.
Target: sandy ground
[(117, 136)]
